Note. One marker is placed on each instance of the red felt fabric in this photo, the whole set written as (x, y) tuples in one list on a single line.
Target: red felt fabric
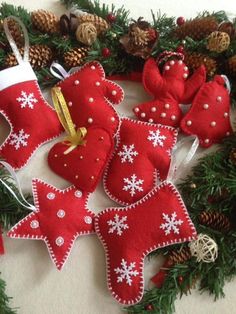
[(84, 165), (129, 234), (209, 115), (90, 98), (149, 161), (61, 216), (1, 243), (168, 89), (30, 127)]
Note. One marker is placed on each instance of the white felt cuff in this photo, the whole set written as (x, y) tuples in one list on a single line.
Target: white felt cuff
[(17, 74)]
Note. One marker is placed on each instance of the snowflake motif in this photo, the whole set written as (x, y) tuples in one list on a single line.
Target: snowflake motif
[(19, 139), (118, 225), (27, 100), (156, 138), (171, 223), (127, 153), (133, 184), (126, 272)]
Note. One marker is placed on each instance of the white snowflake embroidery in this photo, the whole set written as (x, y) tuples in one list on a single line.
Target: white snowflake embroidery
[(156, 138), (118, 225), (171, 223), (126, 272), (27, 100), (133, 184), (127, 153), (19, 139)]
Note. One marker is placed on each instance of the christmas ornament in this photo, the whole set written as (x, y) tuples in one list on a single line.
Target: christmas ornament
[(194, 60), (232, 65), (208, 117), (75, 57), (25, 109), (86, 33), (111, 18), (168, 89), (180, 280), (180, 20), (60, 216), (40, 56), (180, 49), (149, 307), (106, 52), (90, 96), (159, 225), (215, 220), (100, 24), (82, 157), (45, 21), (218, 41), (1, 242), (204, 249), (197, 29), (138, 163)]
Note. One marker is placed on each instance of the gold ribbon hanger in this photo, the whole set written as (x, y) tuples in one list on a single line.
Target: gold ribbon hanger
[(75, 138)]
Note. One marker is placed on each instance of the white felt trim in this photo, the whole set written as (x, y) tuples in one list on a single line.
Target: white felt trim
[(156, 175), (149, 250), (17, 74), (44, 238)]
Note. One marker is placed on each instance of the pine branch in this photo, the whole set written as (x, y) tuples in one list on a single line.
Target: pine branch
[(5, 300)]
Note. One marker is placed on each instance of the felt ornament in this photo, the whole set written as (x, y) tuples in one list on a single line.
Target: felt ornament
[(209, 115), (82, 157), (169, 89), (1, 242), (60, 216), (90, 96), (128, 234), (33, 122), (140, 160)]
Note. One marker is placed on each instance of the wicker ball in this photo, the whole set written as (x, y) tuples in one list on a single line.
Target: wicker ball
[(218, 41), (204, 249), (86, 33)]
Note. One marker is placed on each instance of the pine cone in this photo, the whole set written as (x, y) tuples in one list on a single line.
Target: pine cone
[(45, 21), (15, 31), (232, 65), (232, 156), (179, 256), (75, 57), (100, 24), (39, 57), (140, 37), (215, 220), (194, 60), (197, 29)]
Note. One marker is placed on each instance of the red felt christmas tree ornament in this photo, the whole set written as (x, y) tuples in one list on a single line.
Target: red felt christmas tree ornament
[(33, 122)]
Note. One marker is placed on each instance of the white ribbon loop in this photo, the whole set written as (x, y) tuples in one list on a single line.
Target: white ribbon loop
[(12, 41), (26, 204), (227, 83), (58, 71)]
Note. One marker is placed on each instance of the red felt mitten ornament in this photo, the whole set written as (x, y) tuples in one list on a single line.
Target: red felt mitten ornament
[(90, 96), (33, 122), (169, 90), (208, 117), (129, 234), (60, 216), (141, 158), (83, 155)]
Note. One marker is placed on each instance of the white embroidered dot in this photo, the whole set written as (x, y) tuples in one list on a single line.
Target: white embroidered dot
[(189, 122), (167, 106), (65, 165), (163, 114), (136, 109), (173, 117), (213, 123), (185, 68), (70, 103), (59, 241), (97, 84), (205, 106), (185, 75), (34, 224), (61, 213), (219, 98), (143, 115), (55, 155), (207, 140), (114, 92), (81, 157), (172, 62), (88, 220), (78, 194), (180, 62), (91, 99), (76, 82), (51, 196), (227, 133), (150, 120), (153, 109), (90, 120), (113, 119), (93, 67), (226, 114), (77, 175), (167, 67)]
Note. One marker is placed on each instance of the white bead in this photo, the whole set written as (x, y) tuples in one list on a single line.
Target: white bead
[(227, 133), (78, 193), (90, 120), (163, 114), (143, 115), (153, 109), (65, 165), (150, 120), (61, 213), (93, 67), (189, 122), (88, 220), (114, 92), (185, 75), (136, 109), (113, 119), (185, 68), (180, 62), (34, 224), (207, 140), (50, 196), (97, 83), (167, 106), (213, 123), (173, 117), (172, 62), (183, 41), (76, 82), (219, 98), (167, 67), (226, 114), (59, 241), (91, 99), (205, 106), (70, 103)]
